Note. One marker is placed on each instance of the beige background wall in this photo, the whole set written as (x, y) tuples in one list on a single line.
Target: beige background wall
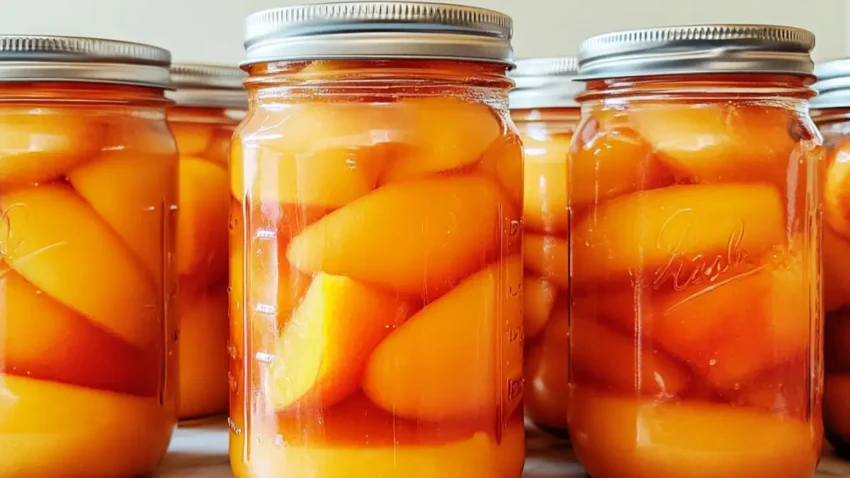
[(211, 30)]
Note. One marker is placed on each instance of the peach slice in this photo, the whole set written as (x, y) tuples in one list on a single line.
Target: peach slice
[(836, 413), (672, 233), (136, 195), (836, 270), (784, 390), (653, 439), (727, 327), (322, 349), (599, 354), (722, 142), (55, 240), (503, 160), (41, 146), (417, 237), (442, 134), (547, 256), (475, 325), (547, 374), (50, 429), (192, 138), (138, 135), (539, 299), (480, 456), (202, 353), (609, 160), (218, 150), (545, 185), (836, 347), (836, 206), (63, 346), (202, 222)]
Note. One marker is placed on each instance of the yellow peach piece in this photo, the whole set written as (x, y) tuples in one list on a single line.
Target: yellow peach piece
[(679, 228), (57, 242), (547, 374), (135, 194), (322, 349), (475, 325), (63, 346), (653, 439), (202, 352), (836, 192), (504, 161), (192, 138), (545, 186), (836, 270), (50, 429), (600, 355), (417, 237), (714, 142), (836, 412), (202, 222), (539, 298), (41, 146), (547, 256), (480, 456)]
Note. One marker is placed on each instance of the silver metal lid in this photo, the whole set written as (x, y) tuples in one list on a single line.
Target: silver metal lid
[(545, 83), (208, 86), (697, 49), (370, 30), (76, 59), (833, 85)]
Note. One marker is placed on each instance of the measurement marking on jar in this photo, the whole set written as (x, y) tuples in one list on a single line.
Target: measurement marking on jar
[(266, 234), (515, 387), (516, 334), (266, 309), (264, 357), (515, 228)]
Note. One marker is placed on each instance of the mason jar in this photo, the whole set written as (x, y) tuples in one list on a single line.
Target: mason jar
[(544, 109), (376, 240), (88, 191), (695, 319), (210, 102), (831, 112)]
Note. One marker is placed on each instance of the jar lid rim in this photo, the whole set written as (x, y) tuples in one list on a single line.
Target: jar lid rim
[(545, 82)]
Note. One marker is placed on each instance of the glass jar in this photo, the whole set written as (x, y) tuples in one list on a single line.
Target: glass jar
[(831, 112), (695, 319), (88, 188), (210, 102), (544, 109), (376, 246)]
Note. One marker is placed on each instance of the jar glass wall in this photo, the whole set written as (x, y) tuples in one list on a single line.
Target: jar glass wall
[(210, 102), (88, 189), (377, 271), (695, 315)]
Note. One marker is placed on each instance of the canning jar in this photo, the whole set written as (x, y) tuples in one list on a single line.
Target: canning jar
[(831, 112), (695, 315), (210, 102), (376, 246), (88, 192), (544, 109)]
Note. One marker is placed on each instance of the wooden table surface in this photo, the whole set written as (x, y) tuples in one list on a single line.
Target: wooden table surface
[(200, 450)]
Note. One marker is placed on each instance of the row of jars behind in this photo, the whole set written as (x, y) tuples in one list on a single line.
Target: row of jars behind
[(378, 304)]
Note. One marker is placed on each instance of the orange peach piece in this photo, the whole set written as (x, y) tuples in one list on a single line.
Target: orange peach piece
[(192, 138), (548, 257), (714, 142), (473, 326), (836, 270), (600, 355), (504, 161), (708, 324), (653, 439), (135, 194), (545, 185), (836, 337), (63, 346), (138, 135), (784, 390), (322, 349), (443, 134), (836, 412), (610, 159), (58, 243), (202, 353), (417, 237), (41, 146), (51, 429), (678, 228), (539, 298), (547, 374), (202, 222), (836, 192), (480, 456), (218, 150)]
